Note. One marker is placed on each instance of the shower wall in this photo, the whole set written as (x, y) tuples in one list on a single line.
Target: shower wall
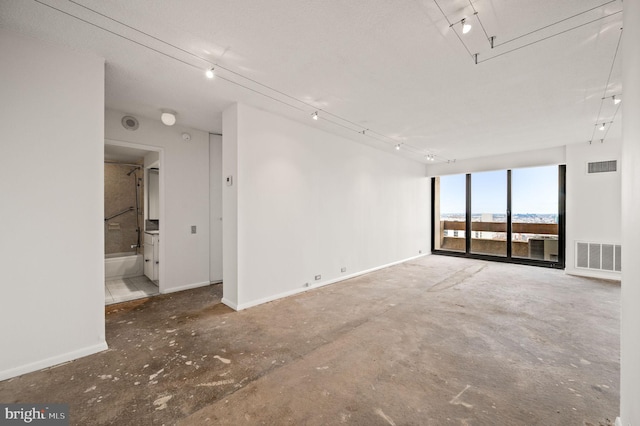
[(120, 194)]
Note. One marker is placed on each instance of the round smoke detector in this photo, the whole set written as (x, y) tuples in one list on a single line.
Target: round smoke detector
[(186, 137), (129, 122)]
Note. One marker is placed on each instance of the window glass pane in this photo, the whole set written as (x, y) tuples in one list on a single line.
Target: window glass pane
[(450, 207), (534, 213), (489, 213)]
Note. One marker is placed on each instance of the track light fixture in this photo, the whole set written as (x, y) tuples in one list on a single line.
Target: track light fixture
[(466, 27), (398, 147), (615, 100), (315, 115), (602, 126), (209, 73), (431, 157)]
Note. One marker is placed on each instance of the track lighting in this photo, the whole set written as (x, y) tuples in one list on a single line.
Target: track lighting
[(466, 27), (616, 101), (210, 73), (601, 127), (168, 118), (315, 115), (398, 147)]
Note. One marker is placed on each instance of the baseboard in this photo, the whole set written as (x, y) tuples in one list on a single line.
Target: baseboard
[(184, 287), (588, 273), (230, 304), (295, 291), (618, 421), (52, 361)]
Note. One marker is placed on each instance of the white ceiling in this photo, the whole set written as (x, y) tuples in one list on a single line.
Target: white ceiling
[(394, 67)]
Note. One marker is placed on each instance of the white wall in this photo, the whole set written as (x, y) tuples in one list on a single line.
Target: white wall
[(533, 158), (184, 199), (51, 227), (310, 203), (215, 213), (593, 202), (230, 207), (630, 296)]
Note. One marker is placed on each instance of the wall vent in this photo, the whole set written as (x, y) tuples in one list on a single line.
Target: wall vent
[(597, 256), (602, 166)]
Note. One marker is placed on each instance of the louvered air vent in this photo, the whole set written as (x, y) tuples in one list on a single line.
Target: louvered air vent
[(602, 166), (601, 257)]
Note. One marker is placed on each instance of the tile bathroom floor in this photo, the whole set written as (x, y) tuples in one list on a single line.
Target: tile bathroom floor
[(125, 289)]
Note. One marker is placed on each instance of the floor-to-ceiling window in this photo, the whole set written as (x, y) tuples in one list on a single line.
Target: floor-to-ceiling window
[(512, 215), (534, 213), (489, 213), (450, 220)]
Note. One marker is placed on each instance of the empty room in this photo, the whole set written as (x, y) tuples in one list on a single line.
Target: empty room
[(303, 212)]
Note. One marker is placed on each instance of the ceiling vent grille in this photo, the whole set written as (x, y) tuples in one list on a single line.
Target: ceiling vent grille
[(597, 256), (602, 166)]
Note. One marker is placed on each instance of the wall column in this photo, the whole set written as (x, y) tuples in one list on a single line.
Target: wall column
[(630, 296)]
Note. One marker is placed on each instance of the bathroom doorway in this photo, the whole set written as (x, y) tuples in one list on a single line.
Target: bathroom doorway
[(131, 222)]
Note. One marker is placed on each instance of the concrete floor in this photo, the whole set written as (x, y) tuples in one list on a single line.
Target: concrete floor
[(434, 341)]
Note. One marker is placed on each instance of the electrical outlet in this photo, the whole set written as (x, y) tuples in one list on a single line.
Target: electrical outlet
[(306, 285), (419, 251), (343, 269), (193, 229), (318, 277)]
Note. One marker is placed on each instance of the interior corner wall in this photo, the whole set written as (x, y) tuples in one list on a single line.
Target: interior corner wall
[(184, 198), (51, 181), (630, 293), (215, 213), (593, 202), (230, 206), (310, 204)]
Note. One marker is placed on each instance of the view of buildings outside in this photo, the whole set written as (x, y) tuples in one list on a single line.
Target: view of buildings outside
[(534, 200)]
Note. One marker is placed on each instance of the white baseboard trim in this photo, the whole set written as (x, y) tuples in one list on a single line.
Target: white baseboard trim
[(184, 287), (288, 293), (603, 275), (52, 361), (618, 421), (230, 304)]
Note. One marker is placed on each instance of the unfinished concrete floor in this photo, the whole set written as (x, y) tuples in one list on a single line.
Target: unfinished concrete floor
[(434, 341)]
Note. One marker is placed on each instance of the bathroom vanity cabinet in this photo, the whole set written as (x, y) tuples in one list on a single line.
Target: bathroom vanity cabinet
[(151, 251)]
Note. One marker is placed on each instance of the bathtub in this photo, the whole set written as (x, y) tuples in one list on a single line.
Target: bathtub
[(123, 265)]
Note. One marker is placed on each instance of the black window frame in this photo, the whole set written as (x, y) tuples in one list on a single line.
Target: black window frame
[(559, 264)]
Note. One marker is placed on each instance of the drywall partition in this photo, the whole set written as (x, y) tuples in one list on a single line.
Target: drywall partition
[(215, 213), (630, 296), (51, 181), (540, 157), (184, 200), (593, 202), (314, 208), (230, 206)]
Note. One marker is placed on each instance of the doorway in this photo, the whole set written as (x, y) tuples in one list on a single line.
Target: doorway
[(131, 222)]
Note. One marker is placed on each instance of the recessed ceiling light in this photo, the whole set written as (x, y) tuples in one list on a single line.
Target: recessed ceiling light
[(168, 118)]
